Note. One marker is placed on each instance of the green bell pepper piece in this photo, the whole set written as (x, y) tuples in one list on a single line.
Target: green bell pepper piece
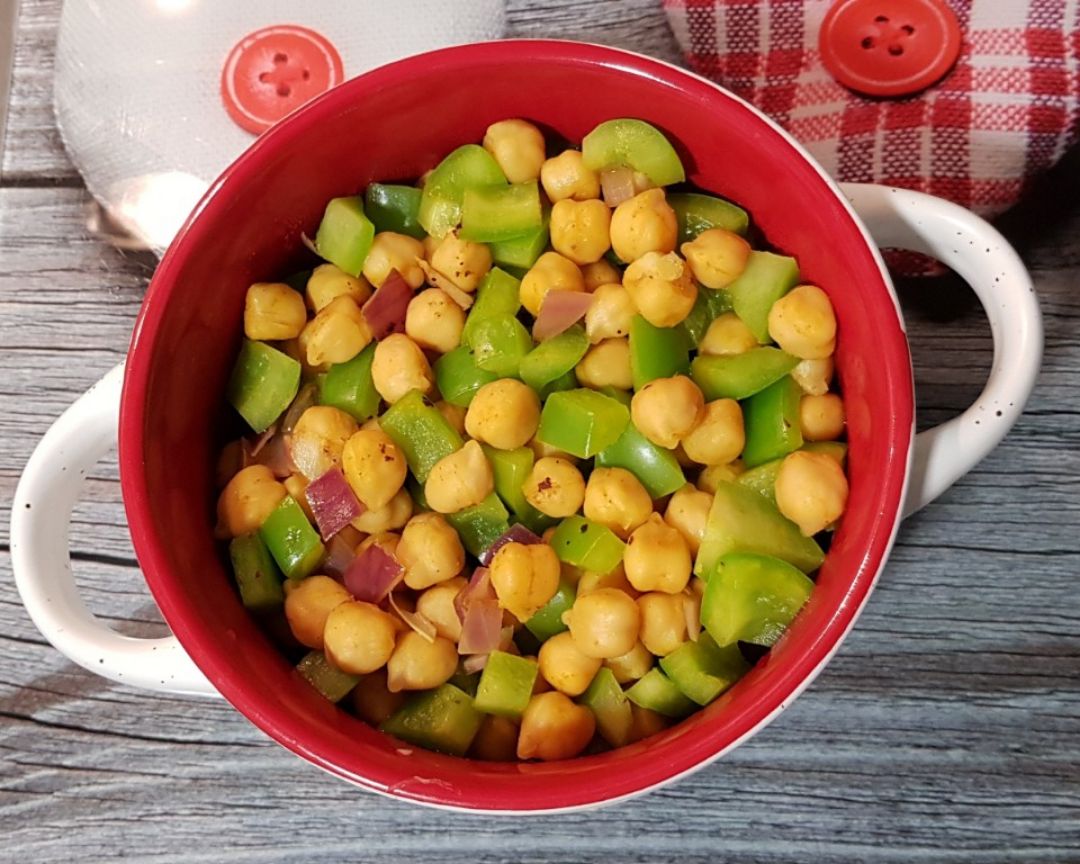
[(547, 622), (709, 305), (490, 214), (263, 383), (741, 520), (567, 381), (771, 418), (458, 377), (610, 707), (499, 344), (656, 692), (623, 397), (468, 167), (345, 234), (257, 577), (752, 598), (298, 280), (422, 434), (657, 352), (292, 541), (325, 677), (703, 670), (762, 479), (506, 685), (554, 358), (657, 468), (511, 468), (522, 252), (394, 208), (481, 525), (498, 295), (588, 545), (766, 279), (737, 376), (696, 213), (466, 682), (350, 387), (582, 422), (443, 719), (636, 144)]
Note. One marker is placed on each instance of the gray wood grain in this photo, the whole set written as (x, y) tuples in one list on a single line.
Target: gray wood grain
[(947, 729)]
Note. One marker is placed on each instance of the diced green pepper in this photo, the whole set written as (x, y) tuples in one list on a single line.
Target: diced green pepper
[(443, 719), (468, 167), (752, 598), (766, 279), (325, 677), (466, 682), (771, 418), (505, 685), (490, 214), (656, 692), (624, 397), (696, 213), (292, 541), (511, 468), (657, 352), (481, 525), (737, 376), (566, 381), (264, 382), (345, 234), (522, 252), (582, 422), (498, 295), (836, 449), (350, 387), (588, 545), (422, 434), (610, 707), (458, 377), (710, 305), (553, 358), (395, 208), (499, 344), (257, 577), (548, 621), (657, 468), (635, 144), (741, 520), (703, 670)]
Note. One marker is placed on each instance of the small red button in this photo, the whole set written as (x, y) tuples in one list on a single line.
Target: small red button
[(273, 71), (889, 47)]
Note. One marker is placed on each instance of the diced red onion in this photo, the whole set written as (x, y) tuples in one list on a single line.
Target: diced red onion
[(374, 574), (260, 442), (275, 455), (617, 185), (517, 533), (307, 396), (642, 182), (385, 311), (481, 629), (506, 638), (333, 503), (309, 243), (339, 555), (478, 587), (415, 620), (560, 311), (474, 663), (462, 299)]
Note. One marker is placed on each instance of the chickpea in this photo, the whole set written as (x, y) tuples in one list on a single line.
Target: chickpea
[(688, 512), (821, 417), (504, 414), (400, 252), (496, 739), (318, 439), (454, 415), (811, 490), (565, 176), (604, 623), (551, 272), (417, 664), (720, 437), (661, 288), (309, 604), (713, 475), (400, 366), (598, 273), (555, 487), (524, 577), (273, 310), (802, 322), (326, 283), (359, 638), (645, 223), (590, 581), (336, 334), (727, 335), (460, 480), (462, 262), (610, 314), (540, 450), (518, 147), (430, 551), (373, 701), (717, 257), (616, 499), (663, 621), (434, 321), (606, 364), (564, 667), (667, 409), (374, 467), (553, 728), (645, 723), (657, 558), (389, 517), (437, 605), (580, 229), (245, 502), (814, 376), (632, 665)]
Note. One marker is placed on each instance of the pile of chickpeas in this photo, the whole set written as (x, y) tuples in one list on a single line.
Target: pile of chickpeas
[(625, 619)]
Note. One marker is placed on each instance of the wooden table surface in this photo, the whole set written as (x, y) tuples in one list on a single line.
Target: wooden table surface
[(946, 729)]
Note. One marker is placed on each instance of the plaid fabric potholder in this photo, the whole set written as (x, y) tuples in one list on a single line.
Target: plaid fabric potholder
[(1007, 111)]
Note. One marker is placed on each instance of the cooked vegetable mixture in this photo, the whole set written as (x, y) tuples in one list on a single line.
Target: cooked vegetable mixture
[(539, 458)]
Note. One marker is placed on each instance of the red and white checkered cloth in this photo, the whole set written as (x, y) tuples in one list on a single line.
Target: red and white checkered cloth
[(1007, 111)]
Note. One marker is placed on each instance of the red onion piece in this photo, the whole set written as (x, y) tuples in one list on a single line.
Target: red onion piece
[(275, 455), (415, 620), (474, 663), (617, 185), (462, 299), (517, 533), (479, 587), (262, 440), (307, 396), (339, 555), (333, 503), (374, 574), (481, 629), (560, 311), (385, 311)]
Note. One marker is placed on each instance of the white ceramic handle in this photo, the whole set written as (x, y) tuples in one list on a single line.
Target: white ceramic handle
[(40, 520), (898, 218)]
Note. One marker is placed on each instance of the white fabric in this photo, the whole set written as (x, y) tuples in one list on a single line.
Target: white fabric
[(138, 85)]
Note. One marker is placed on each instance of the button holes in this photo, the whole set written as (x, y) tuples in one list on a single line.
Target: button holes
[(908, 29), (881, 19), (283, 89), (280, 58), (896, 50), (264, 77), (867, 43), (306, 74)]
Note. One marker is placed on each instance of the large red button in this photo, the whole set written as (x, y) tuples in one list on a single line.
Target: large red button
[(273, 71), (889, 47)]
